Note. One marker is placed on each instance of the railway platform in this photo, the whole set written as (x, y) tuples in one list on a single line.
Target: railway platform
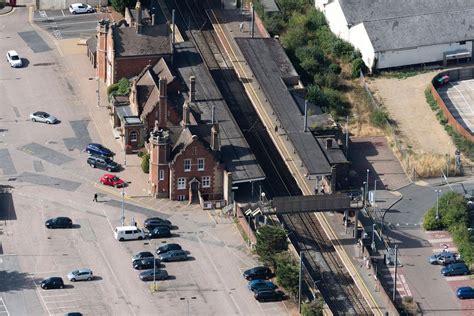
[(229, 24)]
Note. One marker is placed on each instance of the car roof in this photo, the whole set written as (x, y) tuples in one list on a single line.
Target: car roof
[(169, 245), (12, 52), (84, 270), (126, 228)]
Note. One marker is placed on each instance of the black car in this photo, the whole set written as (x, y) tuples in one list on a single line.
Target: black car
[(59, 222), (159, 232), (142, 255), (153, 222), (99, 150), (258, 273), (103, 163), (52, 283), (167, 247), (146, 263), (269, 295), (156, 274)]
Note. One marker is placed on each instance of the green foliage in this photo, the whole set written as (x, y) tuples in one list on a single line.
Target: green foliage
[(313, 308), (358, 66), (287, 273), (270, 240), (453, 216), (379, 118), (335, 69), (275, 23), (145, 163), (329, 80), (122, 87), (120, 5)]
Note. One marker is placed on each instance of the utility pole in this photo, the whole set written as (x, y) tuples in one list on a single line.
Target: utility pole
[(300, 281), (252, 26), (123, 205), (395, 280), (374, 248), (437, 203)]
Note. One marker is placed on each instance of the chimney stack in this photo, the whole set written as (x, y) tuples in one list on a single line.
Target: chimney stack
[(153, 19), (138, 23), (328, 143), (163, 106), (186, 114), (215, 137), (192, 89)]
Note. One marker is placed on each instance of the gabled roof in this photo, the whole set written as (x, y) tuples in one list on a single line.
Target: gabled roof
[(187, 135), (162, 70), (405, 24), (153, 40)]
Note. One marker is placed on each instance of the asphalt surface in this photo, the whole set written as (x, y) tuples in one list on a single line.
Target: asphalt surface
[(47, 169)]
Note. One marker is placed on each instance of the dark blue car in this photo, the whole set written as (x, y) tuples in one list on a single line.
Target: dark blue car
[(258, 285), (465, 292), (455, 269), (99, 150)]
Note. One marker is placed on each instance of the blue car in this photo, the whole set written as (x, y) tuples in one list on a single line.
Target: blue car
[(455, 269), (99, 150), (465, 292), (258, 285)]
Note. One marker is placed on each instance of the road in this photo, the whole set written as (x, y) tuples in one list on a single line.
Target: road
[(46, 166)]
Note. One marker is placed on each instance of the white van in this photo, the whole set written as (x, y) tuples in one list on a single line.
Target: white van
[(128, 233)]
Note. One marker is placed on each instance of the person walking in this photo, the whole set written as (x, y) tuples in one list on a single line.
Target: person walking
[(241, 27), (95, 198)]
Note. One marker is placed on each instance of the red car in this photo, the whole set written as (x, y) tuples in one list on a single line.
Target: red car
[(111, 180)]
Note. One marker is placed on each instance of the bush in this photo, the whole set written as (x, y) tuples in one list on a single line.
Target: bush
[(120, 5), (287, 273), (313, 308), (335, 69), (358, 65), (274, 23), (379, 118), (146, 163), (430, 222), (270, 240)]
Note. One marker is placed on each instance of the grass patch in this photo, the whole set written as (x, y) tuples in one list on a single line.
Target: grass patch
[(430, 165), (400, 74)]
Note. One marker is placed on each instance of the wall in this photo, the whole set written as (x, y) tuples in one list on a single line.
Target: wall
[(419, 55), (64, 4), (127, 67)]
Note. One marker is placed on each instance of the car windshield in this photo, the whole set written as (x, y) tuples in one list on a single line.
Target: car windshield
[(115, 179), (76, 272), (44, 114), (14, 57)]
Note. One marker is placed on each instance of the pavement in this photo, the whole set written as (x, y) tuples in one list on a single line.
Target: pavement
[(6, 9)]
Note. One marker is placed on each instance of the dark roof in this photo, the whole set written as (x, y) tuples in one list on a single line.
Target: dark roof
[(333, 153), (153, 40), (405, 24), (184, 136), (235, 151), (260, 55)]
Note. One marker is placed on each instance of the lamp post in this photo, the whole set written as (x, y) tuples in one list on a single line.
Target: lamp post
[(364, 195), (367, 183), (437, 203), (123, 205)]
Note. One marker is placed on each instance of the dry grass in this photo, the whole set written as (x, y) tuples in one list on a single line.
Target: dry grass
[(431, 165)]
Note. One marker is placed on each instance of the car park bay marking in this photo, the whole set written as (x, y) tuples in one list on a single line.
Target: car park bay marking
[(458, 278), (440, 240), (450, 249), (2, 304)]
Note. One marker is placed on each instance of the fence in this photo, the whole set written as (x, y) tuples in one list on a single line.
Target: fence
[(402, 149)]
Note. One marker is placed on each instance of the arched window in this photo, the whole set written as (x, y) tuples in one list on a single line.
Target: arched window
[(133, 136)]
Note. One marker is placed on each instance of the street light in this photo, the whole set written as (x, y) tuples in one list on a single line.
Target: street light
[(123, 201), (367, 184), (375, 191), (437, 203)]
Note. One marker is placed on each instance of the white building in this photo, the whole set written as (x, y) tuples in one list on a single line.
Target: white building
[(393, 33)]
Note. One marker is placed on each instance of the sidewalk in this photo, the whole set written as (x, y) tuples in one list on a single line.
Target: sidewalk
[(344, 244)]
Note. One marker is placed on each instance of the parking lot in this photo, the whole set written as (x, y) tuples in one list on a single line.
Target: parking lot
[(459, 98), (46, 167)]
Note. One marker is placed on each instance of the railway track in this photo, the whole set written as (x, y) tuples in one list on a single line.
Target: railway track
[(321, 260)]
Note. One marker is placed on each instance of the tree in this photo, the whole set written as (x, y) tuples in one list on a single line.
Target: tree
[(313, 308), (270, 240), (358, 65), (287, 273), (120, 5)]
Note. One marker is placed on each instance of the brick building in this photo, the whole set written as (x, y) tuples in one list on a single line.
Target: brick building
[(126, 47)]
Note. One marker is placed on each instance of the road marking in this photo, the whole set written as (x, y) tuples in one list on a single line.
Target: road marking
[(74, 23), (458, 278), (438, 240), (75, 31), (62, 11), (4, 305), (450, 249)]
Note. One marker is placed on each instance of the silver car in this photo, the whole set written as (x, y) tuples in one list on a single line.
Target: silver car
[(150, 275), (43, 117), (80, 275), (174, 255)]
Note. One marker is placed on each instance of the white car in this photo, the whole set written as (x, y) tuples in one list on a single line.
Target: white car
[(14, 59), (43, 117), (80, 275), (80, 8)]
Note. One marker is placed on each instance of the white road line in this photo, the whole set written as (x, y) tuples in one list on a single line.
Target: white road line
[(79, 31), (4, 305), (458, 278), (59, 295), (437, 240), (62, 11), (38, 289), (74, 23), (470, 108)]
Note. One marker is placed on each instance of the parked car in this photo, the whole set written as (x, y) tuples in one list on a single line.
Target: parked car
[(159, 232), (142, 255), (59, 222), (80, 275), (465, 292), (146, 263), (269, 295), (43, 117), (258, 285), (167, 247), (99, 150), (14, 59), (52, 283), (458, 268), (444, 257), (111, 180), (81, 8), (122, 233), (258, 273), (158, 275), (103, 163), (153, 222), (174, 255)]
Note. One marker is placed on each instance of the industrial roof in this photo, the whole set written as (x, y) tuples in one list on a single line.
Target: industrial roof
[(260, 54), (235, 151), (403, 24)]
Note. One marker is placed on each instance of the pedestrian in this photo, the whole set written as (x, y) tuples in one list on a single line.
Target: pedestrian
[(241, 27), (95, 198)]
